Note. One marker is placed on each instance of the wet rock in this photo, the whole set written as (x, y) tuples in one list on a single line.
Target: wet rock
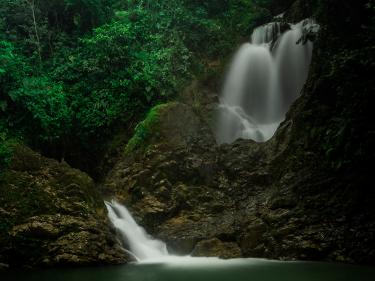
[(180, 245), (289, 198), (38, 229), (253, 237), (4, 266), (52, 215), (216, 248)]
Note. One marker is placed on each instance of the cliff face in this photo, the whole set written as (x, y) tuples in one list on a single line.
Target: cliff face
[(51, 215), (305, 194)]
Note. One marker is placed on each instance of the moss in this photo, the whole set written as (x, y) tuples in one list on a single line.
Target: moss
[(146, 130)]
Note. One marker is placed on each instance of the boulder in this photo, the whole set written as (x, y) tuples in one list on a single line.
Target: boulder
[(52, 215)]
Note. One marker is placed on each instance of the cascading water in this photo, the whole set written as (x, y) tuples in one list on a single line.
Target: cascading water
[(266, 76), (142, 246)]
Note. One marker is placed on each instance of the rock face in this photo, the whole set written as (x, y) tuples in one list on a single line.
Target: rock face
[(245, 199), (172, 124), (305, 194), (216, 248), (51, 215)]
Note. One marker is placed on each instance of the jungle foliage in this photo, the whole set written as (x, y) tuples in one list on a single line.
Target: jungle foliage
[(74, 71)]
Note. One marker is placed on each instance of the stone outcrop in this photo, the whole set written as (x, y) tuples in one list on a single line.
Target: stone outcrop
[(244, 199), (51, 215), (305, 194)]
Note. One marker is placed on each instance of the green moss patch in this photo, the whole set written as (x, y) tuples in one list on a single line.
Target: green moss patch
[(147, 129)]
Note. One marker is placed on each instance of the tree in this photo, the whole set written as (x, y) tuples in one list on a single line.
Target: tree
[(31, 4), (45, 108)]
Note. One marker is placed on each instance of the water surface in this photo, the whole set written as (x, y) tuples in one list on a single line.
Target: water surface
[(204, 269)]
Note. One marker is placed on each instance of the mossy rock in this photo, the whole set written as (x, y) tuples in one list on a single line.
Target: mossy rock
[(42, 201), (172, 124)]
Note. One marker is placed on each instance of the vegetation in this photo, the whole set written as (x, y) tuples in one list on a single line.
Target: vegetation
[(145, 129), (73, 72), (5, 153)]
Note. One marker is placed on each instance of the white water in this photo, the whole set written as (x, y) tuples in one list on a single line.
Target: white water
[(265, 78), (142, 246)]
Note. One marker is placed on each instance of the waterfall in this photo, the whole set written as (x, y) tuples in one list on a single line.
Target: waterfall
[(265, 78), (142, 246)]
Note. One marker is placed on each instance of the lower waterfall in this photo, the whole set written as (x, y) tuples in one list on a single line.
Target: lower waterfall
[(143, 247), (155, 263)]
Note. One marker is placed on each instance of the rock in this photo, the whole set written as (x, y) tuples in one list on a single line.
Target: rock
[(304, 194), (260, 195), (52, 215), (298, 11), (281, 201), (37, 229), (161, 125), (180, 245), (216, 248), (4, 266)]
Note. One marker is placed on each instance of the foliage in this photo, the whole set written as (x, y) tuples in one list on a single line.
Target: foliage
[(145, 129), (12, 69), (41, 27), (9, 73), (44, 105), (6, 144), (75, 71), (122, 68), (207, 28)]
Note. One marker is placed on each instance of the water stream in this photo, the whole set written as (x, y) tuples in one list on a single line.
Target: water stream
[(265, 78), (141, 245)]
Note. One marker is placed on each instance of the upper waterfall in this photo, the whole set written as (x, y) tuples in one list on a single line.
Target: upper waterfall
[(265, 77), (266, 33)]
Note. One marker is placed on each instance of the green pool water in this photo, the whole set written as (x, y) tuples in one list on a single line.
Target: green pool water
[(204, 269)]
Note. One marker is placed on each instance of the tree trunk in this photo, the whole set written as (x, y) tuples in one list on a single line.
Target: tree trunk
[(39, 49)]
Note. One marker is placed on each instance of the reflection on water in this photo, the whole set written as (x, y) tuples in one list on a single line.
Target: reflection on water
[(204, 269)]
